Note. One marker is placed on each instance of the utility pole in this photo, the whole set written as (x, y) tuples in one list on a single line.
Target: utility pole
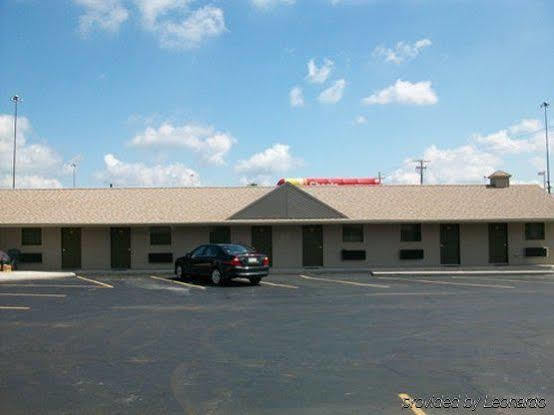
[(545, 105), (543, 174), (380, 177), (16, 100), (421, 167), (73, 166)]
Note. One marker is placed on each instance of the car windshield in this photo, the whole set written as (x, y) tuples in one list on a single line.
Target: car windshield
[(237, 249)]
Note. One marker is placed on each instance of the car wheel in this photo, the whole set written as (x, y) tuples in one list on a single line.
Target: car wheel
[(179, 272), (217, 277), (255, 280)]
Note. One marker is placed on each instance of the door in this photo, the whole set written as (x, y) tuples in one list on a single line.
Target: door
[(312, 246), (262, 241), (208, 259), (121, 248), (195, 260), (220, 235), (498, 243), (450, 244), (71, 248)]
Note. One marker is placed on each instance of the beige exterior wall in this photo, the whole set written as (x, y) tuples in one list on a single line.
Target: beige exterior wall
[(287, 246), (474, 244), (95, 248), (517, 244), (50, 247), (381, 243)]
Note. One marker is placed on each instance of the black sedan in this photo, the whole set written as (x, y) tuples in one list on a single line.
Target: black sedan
[(223, 262)]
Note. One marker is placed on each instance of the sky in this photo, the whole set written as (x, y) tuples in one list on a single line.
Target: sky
[(226, 93)]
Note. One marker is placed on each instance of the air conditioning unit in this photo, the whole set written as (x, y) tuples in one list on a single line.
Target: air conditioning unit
[(536, 252), (411, 254)]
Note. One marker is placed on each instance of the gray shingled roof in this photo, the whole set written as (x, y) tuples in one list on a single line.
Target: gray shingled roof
[(204, 205)]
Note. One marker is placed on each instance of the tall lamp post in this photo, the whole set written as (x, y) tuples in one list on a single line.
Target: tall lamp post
[(16, 100), (73, 166), (545, 105), (543, 174)]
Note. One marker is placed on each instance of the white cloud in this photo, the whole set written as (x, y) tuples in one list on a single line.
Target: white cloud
[(482, 155), (402, 51), (26, 181), (360, 119), (319, 75), (151, 10), (259, 180), (121, 173), (173, 21), (37, 164), (404, 92), (538, 162), (275, 159), (505, 141), (212, 145), (106, 14), (201, 24), (267, 4), (296, 97), (334, 93), (464, 164)]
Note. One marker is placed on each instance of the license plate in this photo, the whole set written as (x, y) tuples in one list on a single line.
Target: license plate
[(252, 261)]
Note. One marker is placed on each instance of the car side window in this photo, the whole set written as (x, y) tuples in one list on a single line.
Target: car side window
[(212, 251), (198, 252)]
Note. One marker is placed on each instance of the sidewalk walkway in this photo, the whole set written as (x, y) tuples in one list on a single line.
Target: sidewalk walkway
[(416, 271), (32, 275)]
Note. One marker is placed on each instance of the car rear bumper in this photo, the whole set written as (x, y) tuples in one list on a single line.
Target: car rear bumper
[(248, 272)]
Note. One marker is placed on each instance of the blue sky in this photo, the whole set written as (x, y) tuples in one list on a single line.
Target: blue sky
[(183, 92)]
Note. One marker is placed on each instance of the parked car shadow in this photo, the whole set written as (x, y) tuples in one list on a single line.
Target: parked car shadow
[(205, 282)]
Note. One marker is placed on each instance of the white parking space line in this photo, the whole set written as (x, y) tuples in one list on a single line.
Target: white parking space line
[(408, 294), (49, 285), (102, 284), (32, 295), (271, 284), (11, 307), (461, 284), (358, 284), (200, 287), (408, 402), (274, 284)]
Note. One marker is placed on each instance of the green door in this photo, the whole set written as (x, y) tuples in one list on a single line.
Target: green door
[(220, 235), (498, 243), (71, 248), (312, 246), (450, 244), (121, 248), (262, 240)]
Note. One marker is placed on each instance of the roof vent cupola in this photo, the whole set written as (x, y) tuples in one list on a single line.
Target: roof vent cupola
[(500, 179)]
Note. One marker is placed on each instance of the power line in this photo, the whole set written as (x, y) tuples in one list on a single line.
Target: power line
[(421, 167)]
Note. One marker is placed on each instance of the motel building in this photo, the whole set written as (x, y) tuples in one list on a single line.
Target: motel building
[(360, 226)]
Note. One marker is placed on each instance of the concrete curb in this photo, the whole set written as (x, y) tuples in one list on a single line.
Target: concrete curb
[(462, 272), (33, 275)]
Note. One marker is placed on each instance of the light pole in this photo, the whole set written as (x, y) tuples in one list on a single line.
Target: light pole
[(543, 174), (16, 100), (73, 166), (545, 105)]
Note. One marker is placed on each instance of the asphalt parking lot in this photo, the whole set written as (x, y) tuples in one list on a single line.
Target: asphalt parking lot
[(297, 344)]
